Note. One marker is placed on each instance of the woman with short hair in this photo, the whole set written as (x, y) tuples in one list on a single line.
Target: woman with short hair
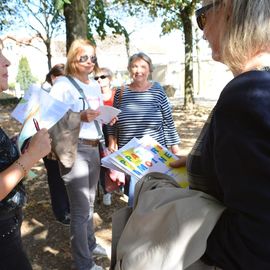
[(145, 110)]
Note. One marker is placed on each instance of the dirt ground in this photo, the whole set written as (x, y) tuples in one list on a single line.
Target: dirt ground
[(45, 240)]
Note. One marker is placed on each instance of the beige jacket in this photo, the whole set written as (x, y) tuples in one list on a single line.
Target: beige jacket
[(168, 228)]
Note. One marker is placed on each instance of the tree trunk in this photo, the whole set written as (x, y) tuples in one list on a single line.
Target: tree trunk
[(76, 20), (49, 54), (189, 87)]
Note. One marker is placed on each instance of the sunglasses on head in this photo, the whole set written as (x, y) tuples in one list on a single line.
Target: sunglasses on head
[(201, 14), (85, 58), (102, 77)]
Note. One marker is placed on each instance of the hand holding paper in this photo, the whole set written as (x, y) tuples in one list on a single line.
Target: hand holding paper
[(107, 113), (139, 157)]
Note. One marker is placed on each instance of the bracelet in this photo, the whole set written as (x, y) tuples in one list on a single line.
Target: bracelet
[(22, 166)]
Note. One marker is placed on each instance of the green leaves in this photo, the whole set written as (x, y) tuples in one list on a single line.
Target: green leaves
[(7, 10), (59, 4)]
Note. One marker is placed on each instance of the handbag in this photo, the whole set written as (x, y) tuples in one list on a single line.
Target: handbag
[(64, 135)]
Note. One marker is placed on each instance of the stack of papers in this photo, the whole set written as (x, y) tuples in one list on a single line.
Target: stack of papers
[(139, 157)]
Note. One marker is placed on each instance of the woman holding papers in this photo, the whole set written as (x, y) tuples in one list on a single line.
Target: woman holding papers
[(13, 169), (145, 110), (231, 158), (84, 96)]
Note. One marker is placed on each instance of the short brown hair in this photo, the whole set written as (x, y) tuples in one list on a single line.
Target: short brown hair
[(56, 70)]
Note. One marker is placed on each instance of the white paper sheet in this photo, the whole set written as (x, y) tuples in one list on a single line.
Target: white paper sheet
[(107, 113), (37, 104)]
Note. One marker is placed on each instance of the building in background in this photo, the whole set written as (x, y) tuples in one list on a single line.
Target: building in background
[(167, 54)]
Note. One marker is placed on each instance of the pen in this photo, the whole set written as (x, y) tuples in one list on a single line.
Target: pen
[(36, 124)]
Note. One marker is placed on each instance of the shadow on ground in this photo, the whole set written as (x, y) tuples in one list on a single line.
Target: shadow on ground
[(45, 240)]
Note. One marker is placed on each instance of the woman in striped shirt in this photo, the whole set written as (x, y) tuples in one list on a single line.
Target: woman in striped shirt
[(145, 110)]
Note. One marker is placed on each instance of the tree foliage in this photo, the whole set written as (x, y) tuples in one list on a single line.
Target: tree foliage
[(7, 10), (41, 18), (176, 14), (85, 18), (24, 76)]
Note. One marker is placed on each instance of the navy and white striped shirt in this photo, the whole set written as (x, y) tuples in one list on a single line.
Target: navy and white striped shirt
[(144, 113)]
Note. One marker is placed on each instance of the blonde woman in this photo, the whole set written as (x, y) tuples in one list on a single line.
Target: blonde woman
[(231, 158), (81, 180)]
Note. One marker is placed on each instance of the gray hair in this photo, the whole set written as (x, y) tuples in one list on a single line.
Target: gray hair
[(246, 31), (142, 56)]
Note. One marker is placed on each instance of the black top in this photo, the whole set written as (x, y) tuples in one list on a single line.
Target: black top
[(231, 161), (16, 198)]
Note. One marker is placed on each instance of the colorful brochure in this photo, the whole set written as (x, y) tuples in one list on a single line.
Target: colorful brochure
[(139, 157)]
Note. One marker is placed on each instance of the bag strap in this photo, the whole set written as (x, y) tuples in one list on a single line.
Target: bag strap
[(100, 134), (121, 95)]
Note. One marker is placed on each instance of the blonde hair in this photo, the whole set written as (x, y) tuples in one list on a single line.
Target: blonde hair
[(75, 48), (246, 31)]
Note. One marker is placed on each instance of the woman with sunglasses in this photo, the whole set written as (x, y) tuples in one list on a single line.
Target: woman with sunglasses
[(232, 155), (104, 77), (82, 178), (13, 170)]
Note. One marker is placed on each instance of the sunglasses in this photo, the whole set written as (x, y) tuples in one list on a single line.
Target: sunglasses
[(201, 14), (85, 58), (102, 77)]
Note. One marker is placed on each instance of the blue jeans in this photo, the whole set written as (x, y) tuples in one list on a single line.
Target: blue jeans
[(81, 182), (131, 190), (12, 255)]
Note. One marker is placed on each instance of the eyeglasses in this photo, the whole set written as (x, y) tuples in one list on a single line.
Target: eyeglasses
[(85, 58), (102, 77), (201, 14)]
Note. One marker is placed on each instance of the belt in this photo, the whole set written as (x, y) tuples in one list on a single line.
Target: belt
[(88, 142)]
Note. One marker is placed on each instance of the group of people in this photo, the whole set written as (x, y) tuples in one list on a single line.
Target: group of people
[(229, 160), (82, 178)]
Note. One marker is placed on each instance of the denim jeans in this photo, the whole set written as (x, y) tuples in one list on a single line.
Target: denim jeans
[(12, 255), (58, 192), (131, 190), (81, 182)]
